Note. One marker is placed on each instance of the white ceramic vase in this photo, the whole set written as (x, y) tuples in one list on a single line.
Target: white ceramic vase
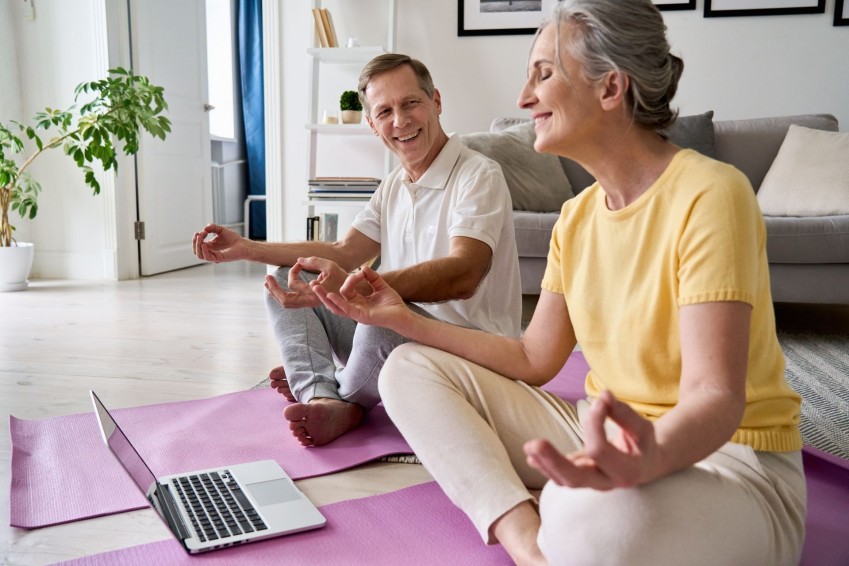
[(15, 264), (352, 116)]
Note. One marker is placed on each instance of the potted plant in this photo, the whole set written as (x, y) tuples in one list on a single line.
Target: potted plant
[(352, 108), (120, 106)]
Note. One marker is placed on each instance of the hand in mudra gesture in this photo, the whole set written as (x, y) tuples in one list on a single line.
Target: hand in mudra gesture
[(383, 307)]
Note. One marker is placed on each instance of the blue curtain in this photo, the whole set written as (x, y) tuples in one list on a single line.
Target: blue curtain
[(250, 65)]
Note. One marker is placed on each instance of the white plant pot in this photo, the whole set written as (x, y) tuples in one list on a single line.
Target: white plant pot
[(15, 264), (352, 116)]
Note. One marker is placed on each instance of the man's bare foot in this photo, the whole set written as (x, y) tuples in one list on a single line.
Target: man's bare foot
[(322, 420), (280, 383)]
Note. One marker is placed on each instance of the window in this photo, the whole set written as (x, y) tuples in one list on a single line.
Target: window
[(219, 57)]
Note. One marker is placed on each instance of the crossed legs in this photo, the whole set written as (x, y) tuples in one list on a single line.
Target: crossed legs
[(327, 401), (468, 426)]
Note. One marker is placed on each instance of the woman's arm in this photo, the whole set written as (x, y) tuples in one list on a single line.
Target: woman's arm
[(535, 358), (714, 349)]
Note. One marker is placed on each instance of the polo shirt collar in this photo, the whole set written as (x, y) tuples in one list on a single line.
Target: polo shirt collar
[(436, 176)]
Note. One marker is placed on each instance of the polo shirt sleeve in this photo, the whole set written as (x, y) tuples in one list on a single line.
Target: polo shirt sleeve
[(368, 220), (483, 205)]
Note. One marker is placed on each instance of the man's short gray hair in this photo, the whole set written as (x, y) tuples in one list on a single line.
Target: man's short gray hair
[(387, 62)]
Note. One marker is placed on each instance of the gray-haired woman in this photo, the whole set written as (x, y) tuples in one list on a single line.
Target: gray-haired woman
[(687, 450)]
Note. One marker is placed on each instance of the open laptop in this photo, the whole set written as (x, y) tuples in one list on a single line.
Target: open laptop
[(218, 507)]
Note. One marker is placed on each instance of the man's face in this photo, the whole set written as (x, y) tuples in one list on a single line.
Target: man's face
[(405, 118)]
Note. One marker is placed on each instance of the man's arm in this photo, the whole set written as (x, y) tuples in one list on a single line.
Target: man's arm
[(354, 249), (455, 276)]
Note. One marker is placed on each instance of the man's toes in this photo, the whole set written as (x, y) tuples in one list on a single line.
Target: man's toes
[(296, 412)]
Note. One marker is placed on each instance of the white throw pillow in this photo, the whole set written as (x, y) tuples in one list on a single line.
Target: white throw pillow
[(809, 176)]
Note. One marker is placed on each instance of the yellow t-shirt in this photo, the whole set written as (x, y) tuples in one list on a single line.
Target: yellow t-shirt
[(695, 236)]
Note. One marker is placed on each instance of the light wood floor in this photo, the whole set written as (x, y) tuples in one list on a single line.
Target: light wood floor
[(189, 334)]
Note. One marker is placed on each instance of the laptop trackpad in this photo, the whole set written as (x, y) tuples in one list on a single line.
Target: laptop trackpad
[(273, 492)]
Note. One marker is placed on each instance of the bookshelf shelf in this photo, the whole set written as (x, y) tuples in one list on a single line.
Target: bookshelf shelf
[(345, 55), (340, 129)]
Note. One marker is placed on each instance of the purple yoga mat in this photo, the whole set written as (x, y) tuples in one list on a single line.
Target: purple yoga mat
[(418, 525), (374, 530), (65, 455), (55, 461)]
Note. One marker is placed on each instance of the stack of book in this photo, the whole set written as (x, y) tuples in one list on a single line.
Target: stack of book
[(342, 187), (324, 27)]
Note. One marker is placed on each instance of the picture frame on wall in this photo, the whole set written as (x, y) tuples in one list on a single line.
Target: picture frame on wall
[(723, 8), (674, 4), (501, 17), (514, 17), (841, 13)]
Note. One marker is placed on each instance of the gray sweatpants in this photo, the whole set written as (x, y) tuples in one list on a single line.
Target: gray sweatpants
[(310, 338)]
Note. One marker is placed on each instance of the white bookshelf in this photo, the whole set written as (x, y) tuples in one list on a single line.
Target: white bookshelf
[(323, 60)]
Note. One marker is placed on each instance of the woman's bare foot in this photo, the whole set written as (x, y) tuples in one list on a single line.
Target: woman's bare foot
[(280, 383), (322, 420)]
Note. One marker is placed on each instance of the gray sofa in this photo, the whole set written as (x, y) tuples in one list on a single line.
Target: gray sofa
[(808, 255)]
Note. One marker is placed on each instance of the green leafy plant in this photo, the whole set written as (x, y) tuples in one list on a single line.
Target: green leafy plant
[(350, 100), (122, 105)]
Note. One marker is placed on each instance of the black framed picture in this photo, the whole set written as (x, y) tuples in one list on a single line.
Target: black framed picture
[(674, 4), (501, 17), (514, 17), (722, 8), (841, 13)]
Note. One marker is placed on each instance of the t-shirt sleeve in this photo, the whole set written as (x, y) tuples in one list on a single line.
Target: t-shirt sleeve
[(552, 279), (722, 242)]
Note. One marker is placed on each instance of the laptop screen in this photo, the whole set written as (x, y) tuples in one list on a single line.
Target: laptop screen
[(120, 445)]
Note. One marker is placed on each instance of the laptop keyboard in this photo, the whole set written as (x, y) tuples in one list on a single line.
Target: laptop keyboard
[(218, 508)]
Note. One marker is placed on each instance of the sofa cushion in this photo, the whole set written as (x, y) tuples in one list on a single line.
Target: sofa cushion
[(536, 180), (694, 132), (533, 232), (751, 145), (810, 175), (808, 239)]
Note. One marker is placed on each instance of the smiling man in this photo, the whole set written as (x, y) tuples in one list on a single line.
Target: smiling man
[(442, 225)]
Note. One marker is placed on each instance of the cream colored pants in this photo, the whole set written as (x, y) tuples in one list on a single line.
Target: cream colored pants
[(468, 425)]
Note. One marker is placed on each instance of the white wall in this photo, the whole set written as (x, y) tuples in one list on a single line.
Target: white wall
[(742, 67), (55, 52), (739, 67)]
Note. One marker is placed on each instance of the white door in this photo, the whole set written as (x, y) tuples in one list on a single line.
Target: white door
[(174, 179)]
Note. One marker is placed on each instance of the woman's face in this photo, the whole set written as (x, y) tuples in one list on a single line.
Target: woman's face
[(562, 103)]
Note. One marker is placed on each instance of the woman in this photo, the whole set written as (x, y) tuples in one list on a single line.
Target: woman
[(688, 450)]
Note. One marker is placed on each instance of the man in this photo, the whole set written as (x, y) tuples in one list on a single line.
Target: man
[(442, 225)]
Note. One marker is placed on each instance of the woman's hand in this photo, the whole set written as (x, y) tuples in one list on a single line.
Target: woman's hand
[(382, 307), (628, 459)]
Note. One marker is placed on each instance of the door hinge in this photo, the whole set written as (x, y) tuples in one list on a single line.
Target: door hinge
[(139, 230)]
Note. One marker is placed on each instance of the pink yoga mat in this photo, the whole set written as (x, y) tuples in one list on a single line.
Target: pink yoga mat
[(418, 525), (414, 526), (55, 461)]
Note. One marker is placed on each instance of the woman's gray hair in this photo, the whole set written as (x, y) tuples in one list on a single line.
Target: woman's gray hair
[(624, 36), (387, 62)]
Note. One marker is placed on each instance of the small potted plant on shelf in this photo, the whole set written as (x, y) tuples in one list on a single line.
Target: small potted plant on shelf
[(122, 105), (352, 108)]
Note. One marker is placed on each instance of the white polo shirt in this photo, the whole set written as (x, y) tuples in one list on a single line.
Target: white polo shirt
[(462, 193)]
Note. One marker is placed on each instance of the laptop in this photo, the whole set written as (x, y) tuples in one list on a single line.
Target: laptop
[(218, 507)]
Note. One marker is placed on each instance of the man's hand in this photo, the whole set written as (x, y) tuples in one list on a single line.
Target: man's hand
[(382, 307), (299, 293), (627, 460), (226, 245)]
